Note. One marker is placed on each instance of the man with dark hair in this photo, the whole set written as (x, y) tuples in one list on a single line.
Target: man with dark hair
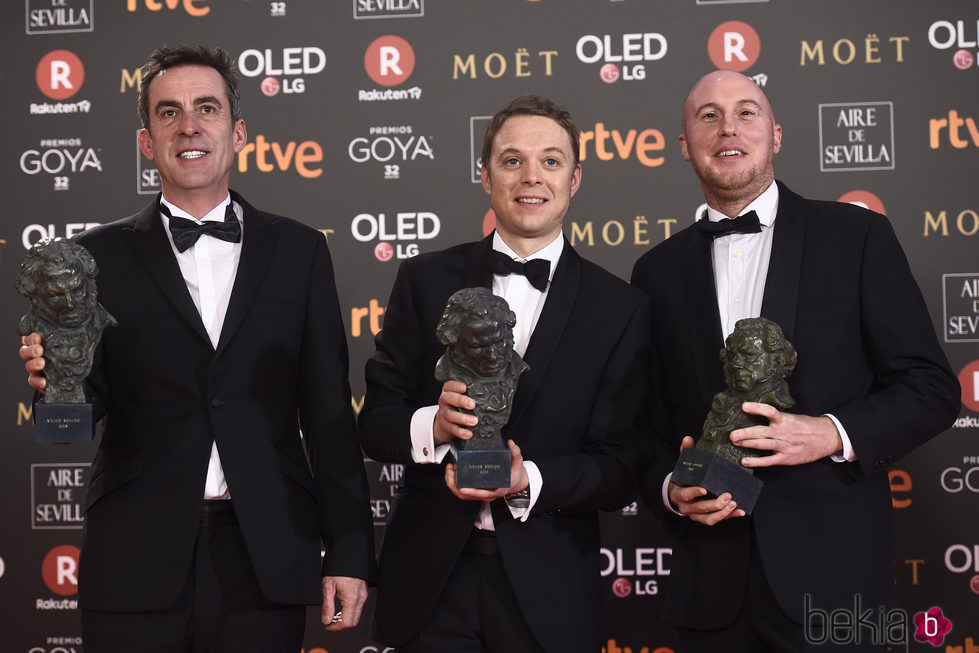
[(207, 509), (871, 384), (469, 570)]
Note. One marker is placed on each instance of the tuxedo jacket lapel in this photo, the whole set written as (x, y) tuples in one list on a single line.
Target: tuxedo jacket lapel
[(785, 265), (152, 248), (554, 319), (703, 317), (260, 236), (477, 273)]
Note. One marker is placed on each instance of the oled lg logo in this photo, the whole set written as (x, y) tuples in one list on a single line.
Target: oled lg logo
[(282, 70), (389, 61), (946, 35), (621, 56), (734, 45), (633, 569), (395, 235)]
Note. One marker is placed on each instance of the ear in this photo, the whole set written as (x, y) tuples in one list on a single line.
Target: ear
[(777, 138), (145, 143), (484, 176), (683, 147), (241, 135), (575, 180)]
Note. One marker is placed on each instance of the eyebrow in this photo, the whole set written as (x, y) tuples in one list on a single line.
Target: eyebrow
[(206, 99), (515, 150), (715, 105)]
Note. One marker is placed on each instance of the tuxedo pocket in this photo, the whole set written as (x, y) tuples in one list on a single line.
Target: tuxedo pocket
[(113, 475)]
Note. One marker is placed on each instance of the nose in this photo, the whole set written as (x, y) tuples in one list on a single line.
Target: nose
[(530, 175), (188, 123), (68, 300), (729, 124)]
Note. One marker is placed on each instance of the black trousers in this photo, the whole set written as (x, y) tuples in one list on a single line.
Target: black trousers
[(763, 627), (478, 611), (220, 610)]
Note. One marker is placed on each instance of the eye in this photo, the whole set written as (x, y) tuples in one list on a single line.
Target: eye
[(511, 161), (168, 113), (709, 115), (551, 161), (207, 108)]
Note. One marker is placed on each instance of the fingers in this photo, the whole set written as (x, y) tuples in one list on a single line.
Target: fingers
[(450, 422), (471, 493), (690, 502), (687, 443)]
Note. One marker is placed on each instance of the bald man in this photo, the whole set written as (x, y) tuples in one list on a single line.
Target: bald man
[(871, 384)]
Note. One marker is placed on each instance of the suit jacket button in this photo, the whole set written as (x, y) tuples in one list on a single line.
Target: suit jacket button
[(217, 403)]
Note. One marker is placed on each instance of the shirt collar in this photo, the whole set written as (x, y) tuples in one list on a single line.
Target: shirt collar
[(551, 252), (216, 214), (765, 205)]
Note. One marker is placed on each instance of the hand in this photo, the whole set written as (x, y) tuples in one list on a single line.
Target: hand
[(449, 422), (352, 593), (518, 480), (688, 501), (793, 439), (32, 351)]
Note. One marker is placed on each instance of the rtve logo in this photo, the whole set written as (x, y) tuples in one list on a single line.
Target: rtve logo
[(60, 570), (60, 74), (623, 146), (299, 156), (195, 8), (952, 128), (734, 45), (389, 60)]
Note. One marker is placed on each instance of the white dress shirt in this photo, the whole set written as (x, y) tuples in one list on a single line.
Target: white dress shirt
[(527, 303), (209, 268), (740, 271)]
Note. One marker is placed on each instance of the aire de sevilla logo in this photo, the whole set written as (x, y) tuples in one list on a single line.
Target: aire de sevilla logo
[(389, 60), (60, 74)]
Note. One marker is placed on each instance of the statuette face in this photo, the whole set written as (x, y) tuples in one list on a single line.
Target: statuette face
[(58, 277)]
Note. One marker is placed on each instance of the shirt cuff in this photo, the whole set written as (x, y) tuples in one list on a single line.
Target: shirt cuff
[(423, 449), (666, 495), (536, 483), (848, 455)]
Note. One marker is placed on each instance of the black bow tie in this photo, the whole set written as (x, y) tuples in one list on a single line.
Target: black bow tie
[(743, 224), (536, 270), (186, 232)]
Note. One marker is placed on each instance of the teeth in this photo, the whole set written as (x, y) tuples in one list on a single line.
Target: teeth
[(730, 153), (192, 154), (530, 200)]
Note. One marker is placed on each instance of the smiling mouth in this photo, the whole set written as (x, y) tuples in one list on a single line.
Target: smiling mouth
[(724, 153), (191, 154), (530, 200)]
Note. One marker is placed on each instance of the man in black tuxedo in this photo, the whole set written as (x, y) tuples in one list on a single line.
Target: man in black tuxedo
[(207, 508), (468, 570), (871, 384)]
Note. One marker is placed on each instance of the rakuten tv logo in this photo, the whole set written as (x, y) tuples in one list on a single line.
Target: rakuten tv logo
[(60, 570), (734, 45), (389, 60), (60, 74), (864, 198)]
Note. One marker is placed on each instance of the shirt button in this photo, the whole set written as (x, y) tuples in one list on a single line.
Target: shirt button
[(425, 451)]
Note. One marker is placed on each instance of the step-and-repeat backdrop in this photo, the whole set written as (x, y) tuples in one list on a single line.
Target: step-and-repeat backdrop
[(365, 120)]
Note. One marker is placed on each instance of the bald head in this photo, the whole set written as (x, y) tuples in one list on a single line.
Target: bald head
[(730, 137)]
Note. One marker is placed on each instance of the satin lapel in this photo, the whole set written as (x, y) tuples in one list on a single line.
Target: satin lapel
[(703, 318), (785, 265), (554, 318), (260, 235), (477, 274), (152, 249)]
